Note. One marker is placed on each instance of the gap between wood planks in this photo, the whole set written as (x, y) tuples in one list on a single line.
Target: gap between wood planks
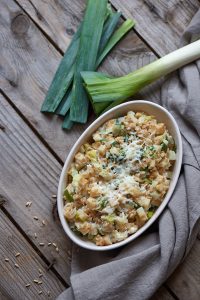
[(39, 27), (49, 264), (170, 291), (24, 118), (59, 49), (31, 127), (136, 32), (62, 53)]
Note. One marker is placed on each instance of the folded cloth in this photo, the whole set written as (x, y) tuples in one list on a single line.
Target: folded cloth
[(137, 270)]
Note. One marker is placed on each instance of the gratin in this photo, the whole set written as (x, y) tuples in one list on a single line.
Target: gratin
[(119, 178)]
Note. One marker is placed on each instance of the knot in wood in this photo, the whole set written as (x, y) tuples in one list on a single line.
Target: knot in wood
[(20, 24)]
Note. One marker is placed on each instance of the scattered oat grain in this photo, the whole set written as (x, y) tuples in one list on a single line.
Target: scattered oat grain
[(35, 280), (57, 250), (49, 244), (17, 254), (27, 285), (48, 293), (40, 271), (40, 275), (6, 259), (35, 218), (39, 282), (43, 222), (40, 292), (35, 235), (41, 244), (54, 244), (28, 204), (16, 265), (54, 196)]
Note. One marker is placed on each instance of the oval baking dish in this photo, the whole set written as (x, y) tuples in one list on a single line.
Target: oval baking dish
[(161, 115)]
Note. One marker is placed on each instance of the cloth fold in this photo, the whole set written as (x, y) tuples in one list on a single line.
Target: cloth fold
[(138, 269)]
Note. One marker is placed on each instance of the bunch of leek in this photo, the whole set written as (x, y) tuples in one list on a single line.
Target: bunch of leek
[(94, 39), (106, 92)]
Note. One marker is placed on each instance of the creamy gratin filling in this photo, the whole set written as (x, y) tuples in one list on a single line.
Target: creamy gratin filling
[(118, 179)]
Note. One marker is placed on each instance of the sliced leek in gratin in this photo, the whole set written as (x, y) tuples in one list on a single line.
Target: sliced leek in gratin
[(118, 179)]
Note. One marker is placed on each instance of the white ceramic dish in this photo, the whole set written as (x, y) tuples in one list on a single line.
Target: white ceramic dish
[(162, 115)]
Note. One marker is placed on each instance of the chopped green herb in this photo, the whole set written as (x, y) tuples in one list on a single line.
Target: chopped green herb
[(164, 147), (126, 138), (117, 122), (151, 211), (134, 204), (67, 196), (103, 203), (114, 143)]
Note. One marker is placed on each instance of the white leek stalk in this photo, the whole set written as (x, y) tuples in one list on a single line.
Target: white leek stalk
[(106, 92)]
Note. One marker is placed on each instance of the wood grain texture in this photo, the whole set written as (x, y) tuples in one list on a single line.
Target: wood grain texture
[(27, 69), (4, 295), (13, 279), (30, 173), (28, 62), (160, 23), (185, 281), (58, 19), (163, 294)]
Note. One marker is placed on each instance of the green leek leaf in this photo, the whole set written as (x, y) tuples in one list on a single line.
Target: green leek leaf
[(108, 29), (67, 100), (67, 124), (63, 77), (87, 55), (115, 38)]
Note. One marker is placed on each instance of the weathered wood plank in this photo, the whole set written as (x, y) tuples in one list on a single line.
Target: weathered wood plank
[(14, 279), (29, 62), (163, 294), (58, 19), (185, 281), (30, 173), (160, 23), (4, 296)]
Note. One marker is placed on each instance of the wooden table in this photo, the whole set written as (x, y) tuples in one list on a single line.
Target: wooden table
[(34, 35)]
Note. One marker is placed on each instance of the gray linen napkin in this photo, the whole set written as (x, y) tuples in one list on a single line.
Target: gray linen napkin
[(137, 270)]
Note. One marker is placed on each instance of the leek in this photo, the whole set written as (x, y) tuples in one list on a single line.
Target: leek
[(63, 77), (108, 30), (67, 124), (111, 42), (116, 37), (65, 73), (103, 89), (65, 105), (87, 56)]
